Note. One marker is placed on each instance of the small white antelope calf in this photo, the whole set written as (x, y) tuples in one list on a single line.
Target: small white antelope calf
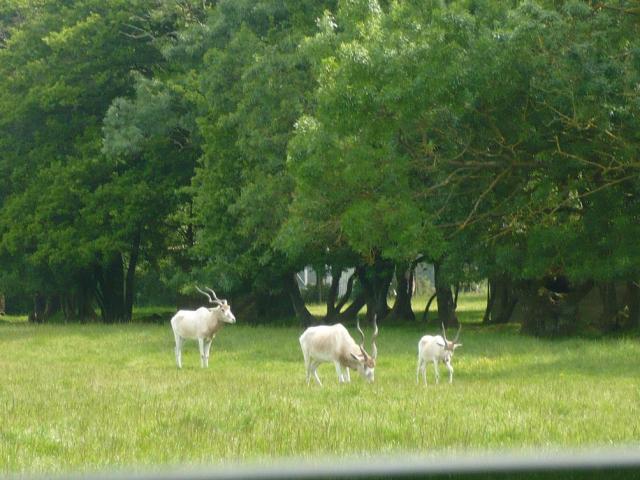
[(436, 349), (201, 325), (332, 343)]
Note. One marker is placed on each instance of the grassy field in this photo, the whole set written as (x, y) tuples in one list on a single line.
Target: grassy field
[(94, 397)]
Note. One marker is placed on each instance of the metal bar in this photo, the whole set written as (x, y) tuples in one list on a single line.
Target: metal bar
[(587, 464)]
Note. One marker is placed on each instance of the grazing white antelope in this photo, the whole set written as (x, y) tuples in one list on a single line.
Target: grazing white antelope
[(436, 349), (332, 343), (201, 325)]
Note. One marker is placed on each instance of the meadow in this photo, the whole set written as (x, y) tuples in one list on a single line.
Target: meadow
[(92, 397)]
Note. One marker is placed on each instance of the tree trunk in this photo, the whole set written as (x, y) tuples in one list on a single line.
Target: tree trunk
[(542, 311), (402, 306), (352, 310), (77, 304), (129, 284), (535, 311), (553, 306), (44, 307), (610, 307), (501, 302), (110, 290), (425, 315), (490, 299), (299, 307), (446, 308), (84, 303), (335, 305), (633, 290), (332, 294), (446, 305), (69, 306), (347, 294), (319, 279), (335, 312), (39, 306), (2, 304), (375, 281), (456, 291), (52, 306)]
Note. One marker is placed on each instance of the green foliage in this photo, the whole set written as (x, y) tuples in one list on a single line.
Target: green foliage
[(349, 146), (69, 210), (254, 85), (581, 131), (236, 141)]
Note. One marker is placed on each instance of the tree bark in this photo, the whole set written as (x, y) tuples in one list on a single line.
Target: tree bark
[(319, 279), (335, 305), (446, 307), (84, 303), (110, 290), (610, 305), (501, 302), (77, 304), (335, 312), (456, 291), (39, 306), (299, 307), (535, 310), (543, 311), (425, 315), (633, 290), (375, 281), (129, 284), (490, 299), (347, 295), (52, 306), (332, 294), (402, 306), (351, 312)]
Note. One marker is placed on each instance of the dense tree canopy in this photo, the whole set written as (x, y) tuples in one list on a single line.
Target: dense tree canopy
[(234, 142), (76, 215)]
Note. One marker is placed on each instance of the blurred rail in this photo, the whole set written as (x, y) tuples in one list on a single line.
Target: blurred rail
[(595, 464)]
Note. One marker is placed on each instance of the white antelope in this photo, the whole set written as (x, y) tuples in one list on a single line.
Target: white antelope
[(436, 349), (201, 325), (332, 343)]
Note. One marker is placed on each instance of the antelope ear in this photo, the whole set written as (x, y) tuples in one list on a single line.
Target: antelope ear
[(356, 358), (456, 345), (441, 342)]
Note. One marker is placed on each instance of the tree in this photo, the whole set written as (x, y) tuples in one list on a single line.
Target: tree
[(352, 146), (254, 85), (548, 134), (74, 223)]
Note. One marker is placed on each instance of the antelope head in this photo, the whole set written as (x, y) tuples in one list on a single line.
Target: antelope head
[(225, 308), (366, 362), (451, 345)]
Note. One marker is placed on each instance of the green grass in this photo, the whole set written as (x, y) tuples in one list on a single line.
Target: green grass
[(12, 319), (95, 397)]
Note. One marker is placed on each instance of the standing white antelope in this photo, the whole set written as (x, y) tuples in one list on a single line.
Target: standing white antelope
[(436, 349), (201, 325), (332, 343)]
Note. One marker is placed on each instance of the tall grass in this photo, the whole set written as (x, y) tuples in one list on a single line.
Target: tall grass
[(94, 397)]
